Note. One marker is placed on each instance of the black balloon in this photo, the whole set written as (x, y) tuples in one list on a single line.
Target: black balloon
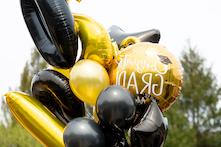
[(83, 132), (118, 35), (114, 137), (116, 107), (51, 26), (52, 89), (151, 131)]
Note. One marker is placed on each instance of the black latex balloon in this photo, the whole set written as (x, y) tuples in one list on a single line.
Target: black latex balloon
[(52, 89), (51, 26), (116, 107), (151, 131), (83, 132), (114, 137), (118, 35)]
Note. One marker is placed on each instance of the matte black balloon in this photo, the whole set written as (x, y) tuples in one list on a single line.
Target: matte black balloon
[(51, 26), (116, 107), (114, 137), (83, 132), (52, 89), (119, 35), (151, 131)]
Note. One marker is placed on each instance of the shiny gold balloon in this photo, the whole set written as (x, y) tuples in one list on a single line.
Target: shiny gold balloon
[(87, 79), (95, 117), (148, 70), (65, 72), (96, 42), (36, 119)]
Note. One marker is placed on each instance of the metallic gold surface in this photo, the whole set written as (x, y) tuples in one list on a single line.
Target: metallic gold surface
[(36, 119), (95, 117), (148, 69), (69, 1), (65, 72), (87, 79), (96, 42), (129, 41), (116, 49)]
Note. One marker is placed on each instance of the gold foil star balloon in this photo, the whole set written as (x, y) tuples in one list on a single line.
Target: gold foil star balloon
[(148, 70)]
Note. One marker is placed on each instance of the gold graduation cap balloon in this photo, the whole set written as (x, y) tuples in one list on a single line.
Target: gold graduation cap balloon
[(148, 70)]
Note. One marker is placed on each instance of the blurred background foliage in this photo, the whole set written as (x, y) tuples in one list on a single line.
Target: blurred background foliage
[(13, 134), (194, 119)]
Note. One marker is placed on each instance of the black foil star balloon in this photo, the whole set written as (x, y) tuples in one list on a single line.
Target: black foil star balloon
[(114, 137), (151, 131)]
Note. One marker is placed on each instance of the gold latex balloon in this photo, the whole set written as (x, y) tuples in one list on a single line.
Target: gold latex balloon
[(148, 70), (96, 42), (36, 119), (95, 117), (87, 79), (65, 72)]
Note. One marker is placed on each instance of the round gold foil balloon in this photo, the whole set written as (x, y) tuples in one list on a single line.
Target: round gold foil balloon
[(148, 70), (87, 79)]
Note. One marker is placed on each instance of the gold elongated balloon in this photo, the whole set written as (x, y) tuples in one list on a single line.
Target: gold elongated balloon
[(96, 42), (36, 119), (148, 70), (87, 79)]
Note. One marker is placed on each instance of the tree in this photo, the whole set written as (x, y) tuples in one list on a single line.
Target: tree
[(180, 133), (196, 110), (33, 66), (200, 96), (6, 119), (13, 133)]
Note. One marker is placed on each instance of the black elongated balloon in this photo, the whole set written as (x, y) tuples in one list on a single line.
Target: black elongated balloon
[(52, 89), (51, 26), (118, 35), (151, 131), (83, 132), (115, 106)]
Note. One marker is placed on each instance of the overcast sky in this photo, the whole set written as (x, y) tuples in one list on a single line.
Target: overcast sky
[(178, 21)]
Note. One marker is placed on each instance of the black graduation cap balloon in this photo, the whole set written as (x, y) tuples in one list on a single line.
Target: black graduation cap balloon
[(124, 39), (151, 131)]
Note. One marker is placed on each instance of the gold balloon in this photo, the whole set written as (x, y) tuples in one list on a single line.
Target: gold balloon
[(96, 41), (95, 117), (129, 41), (65, 72), (87, 79), (36, 119), (148, 70)]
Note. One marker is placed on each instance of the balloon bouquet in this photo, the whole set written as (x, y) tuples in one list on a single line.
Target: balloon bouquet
[(113, 96)]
